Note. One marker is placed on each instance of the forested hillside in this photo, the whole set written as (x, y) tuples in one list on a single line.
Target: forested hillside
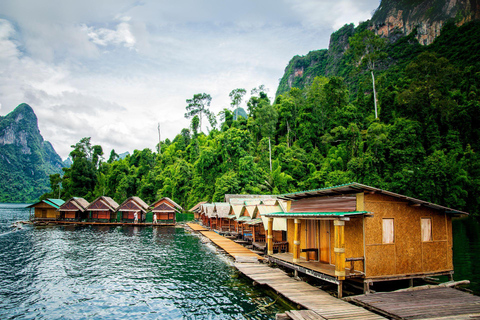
[(26, 160), (424, 143)]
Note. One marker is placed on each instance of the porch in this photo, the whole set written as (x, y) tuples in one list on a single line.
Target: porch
[(316, 269)]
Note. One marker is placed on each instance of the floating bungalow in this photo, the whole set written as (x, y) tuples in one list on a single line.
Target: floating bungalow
[(75, 209), (102, 209), (206, 214), (165, 210), (362, 234), (235, 213), (220, 213), (126, 211), (279, 228), (196, 209), (46, 210)]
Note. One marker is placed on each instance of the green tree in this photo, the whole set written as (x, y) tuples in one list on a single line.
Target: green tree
[(236, 95), (198, 105), (367, 48)]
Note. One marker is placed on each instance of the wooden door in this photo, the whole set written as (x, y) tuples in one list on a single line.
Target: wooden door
[(311, 241), (325, 241)]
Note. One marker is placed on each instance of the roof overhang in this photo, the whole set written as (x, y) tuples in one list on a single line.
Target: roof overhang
[(317, 215), (353, 188)]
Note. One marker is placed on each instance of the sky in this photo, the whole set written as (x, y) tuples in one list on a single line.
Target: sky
[(113, 70)]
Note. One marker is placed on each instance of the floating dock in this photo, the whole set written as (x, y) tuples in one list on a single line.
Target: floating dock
[(320, 304), (434, 303), (98, 223)]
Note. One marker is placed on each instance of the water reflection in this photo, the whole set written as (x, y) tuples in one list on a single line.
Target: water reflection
[(120, 272)]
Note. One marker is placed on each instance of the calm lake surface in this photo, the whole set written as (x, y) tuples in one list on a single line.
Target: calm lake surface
[(147, 273), (119, 273)]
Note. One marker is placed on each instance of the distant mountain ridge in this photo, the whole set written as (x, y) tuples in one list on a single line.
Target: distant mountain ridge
[(395, 19), (26, 160)]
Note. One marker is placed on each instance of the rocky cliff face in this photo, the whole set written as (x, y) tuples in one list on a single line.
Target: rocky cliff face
[(427, 17), (393, 19), (26, 160)]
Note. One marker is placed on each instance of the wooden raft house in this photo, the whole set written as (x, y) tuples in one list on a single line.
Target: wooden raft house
[(46, 210), (126, 211), (196, 210), (165, 210), (75, 209), (362, 234), (220, 214), (102, 209)]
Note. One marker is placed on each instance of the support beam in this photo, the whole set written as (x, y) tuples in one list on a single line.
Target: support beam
[(339, 249), (270, 236), (296, 242)]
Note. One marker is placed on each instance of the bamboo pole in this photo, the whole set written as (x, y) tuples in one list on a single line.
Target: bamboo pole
[(296, 242), (270, 236)]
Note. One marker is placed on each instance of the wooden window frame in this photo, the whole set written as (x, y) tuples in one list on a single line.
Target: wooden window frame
[(431, 229), (383, 230)]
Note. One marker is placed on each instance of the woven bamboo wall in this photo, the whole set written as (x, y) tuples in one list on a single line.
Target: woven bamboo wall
[(408, 254)]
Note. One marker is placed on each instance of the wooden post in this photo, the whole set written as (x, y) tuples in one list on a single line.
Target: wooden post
[(340, 289), (339, 250), (296, 242), (270, 236)]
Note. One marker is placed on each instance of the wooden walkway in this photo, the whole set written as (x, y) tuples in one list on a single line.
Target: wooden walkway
[(237, 251), (435, 303), (324, 305)]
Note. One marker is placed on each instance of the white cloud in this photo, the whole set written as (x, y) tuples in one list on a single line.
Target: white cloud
[(113, 69), (121, 35)]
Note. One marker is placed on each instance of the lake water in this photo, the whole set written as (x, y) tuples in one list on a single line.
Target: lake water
[(119, 273), (143, 273)]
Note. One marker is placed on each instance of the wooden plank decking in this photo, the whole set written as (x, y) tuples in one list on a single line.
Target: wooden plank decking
[(434, 303), (237, 251), (305, 295)]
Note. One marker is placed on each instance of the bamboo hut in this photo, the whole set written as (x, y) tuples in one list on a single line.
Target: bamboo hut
[(165, 209), (196, 209), (46, 210), (74, 209), (358, 233), (102, 209), (126, 211), (207, 215), (235, 213), (221, 211), (279, 228)]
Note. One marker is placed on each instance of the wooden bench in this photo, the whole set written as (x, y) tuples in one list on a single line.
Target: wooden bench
[(352, 263), (307, 250)]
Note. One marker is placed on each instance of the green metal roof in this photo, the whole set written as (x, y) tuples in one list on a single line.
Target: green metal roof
[(55, 202), (231, 216), (314, 214), (244, 218), (254, 221)]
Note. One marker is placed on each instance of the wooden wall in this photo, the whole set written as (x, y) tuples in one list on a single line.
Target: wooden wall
[(45, 211), (408, 254)]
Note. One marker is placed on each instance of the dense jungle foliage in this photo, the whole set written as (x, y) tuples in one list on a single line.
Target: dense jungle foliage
[(425, 143)]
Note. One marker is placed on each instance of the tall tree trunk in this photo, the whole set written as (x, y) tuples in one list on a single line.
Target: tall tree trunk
[(374, 95)]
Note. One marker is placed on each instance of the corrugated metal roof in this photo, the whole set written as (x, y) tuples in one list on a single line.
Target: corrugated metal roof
[(243, 218), (231, 216), (315, 214), (254, 221), (355, 187), (56, 202)]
